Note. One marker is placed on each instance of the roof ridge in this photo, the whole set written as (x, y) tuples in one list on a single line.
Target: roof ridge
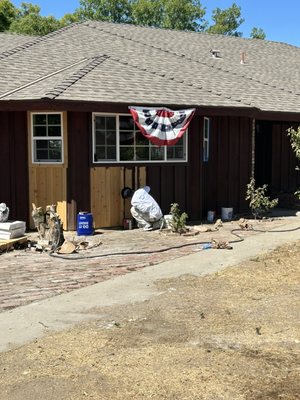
[(219, 35), (76, 76), (194, 60), (37, 40), (204, 33)]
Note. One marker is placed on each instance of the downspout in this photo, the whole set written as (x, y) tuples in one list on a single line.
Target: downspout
[(253, 149)]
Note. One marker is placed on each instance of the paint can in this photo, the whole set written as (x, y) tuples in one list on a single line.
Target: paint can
[(85, 224), (226, 213), (211, 215), (127, 223)]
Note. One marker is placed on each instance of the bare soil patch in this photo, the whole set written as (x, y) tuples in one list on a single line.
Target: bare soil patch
[(234, 335)]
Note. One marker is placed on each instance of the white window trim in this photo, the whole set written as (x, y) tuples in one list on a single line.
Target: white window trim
[(206, 139), (118, 161), (48, 137)]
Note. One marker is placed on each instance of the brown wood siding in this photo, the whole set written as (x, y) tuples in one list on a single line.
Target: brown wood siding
[(285, 178), (14, 161), (228, 169), (48, 182), (79, 162), (107, 205), (180, 183)]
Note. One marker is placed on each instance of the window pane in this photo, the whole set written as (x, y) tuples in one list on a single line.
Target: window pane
[(142, 153), (175, 152), (41, 155), (39, 131), (111, 153), (100, 123), (100, 153), (127, 138), (126, 153), (41, 144), (45, 126), (100, 138), (54, 144), (48, 150), (157, 153), (39, 119), (54, 119), (126, 123), (111, 138), (54, 131), (141, 140), (54, 154), (110, 123)]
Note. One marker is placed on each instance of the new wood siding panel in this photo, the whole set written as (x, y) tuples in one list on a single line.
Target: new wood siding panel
[(107, 205), (47, 186), (14, 161), (48, 182)]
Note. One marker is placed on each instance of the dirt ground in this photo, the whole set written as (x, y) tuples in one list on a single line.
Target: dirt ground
[(233, 335)]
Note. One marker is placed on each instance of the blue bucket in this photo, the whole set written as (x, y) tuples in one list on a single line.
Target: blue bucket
[(85, 224)]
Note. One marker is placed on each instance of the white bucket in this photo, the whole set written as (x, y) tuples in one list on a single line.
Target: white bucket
[(211, 215), (226, 213), (168, 218)]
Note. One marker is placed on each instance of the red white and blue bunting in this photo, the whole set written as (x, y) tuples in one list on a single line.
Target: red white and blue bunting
[(163, 127)]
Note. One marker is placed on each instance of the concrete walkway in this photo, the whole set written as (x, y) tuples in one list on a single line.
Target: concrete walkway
[(24, 324)]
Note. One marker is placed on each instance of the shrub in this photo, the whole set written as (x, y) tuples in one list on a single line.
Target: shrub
[(259, 202), (178, 220)]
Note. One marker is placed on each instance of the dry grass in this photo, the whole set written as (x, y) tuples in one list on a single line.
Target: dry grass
[(233, 335)]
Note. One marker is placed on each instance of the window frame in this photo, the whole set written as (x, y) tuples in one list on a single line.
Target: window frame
[(206, 139), (118, 146), (47, 138)]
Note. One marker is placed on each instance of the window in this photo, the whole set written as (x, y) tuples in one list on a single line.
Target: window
[(206, 132), (47, 140), (116, 138)]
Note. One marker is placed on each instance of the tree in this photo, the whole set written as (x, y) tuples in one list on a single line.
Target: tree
[(8, 13), (68, 19), (29, 21), (226, 21), (257, 33), (105, 10), (172, 14), (147, 12), (295, 144)]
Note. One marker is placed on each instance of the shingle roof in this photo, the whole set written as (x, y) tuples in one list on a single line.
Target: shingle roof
[(106, 62), (10, 40)]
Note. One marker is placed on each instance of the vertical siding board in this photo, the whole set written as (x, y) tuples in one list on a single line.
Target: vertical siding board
[(285, 152), (233, 164), (154, 181), (78, 176), (210, 177), (245, 146), (223, 144), (167, 188), (13, 154), (194, 172), (276, 159), (180, 189), (5, 147)]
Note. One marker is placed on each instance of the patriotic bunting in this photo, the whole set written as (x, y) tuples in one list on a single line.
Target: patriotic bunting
[(163, 127)]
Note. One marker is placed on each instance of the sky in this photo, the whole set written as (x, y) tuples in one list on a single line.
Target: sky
[(279, 20)]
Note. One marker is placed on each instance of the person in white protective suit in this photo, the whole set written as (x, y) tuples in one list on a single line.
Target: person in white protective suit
[(145, 210)]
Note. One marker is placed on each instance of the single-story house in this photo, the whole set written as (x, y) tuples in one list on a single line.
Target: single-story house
[(67, 136)]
